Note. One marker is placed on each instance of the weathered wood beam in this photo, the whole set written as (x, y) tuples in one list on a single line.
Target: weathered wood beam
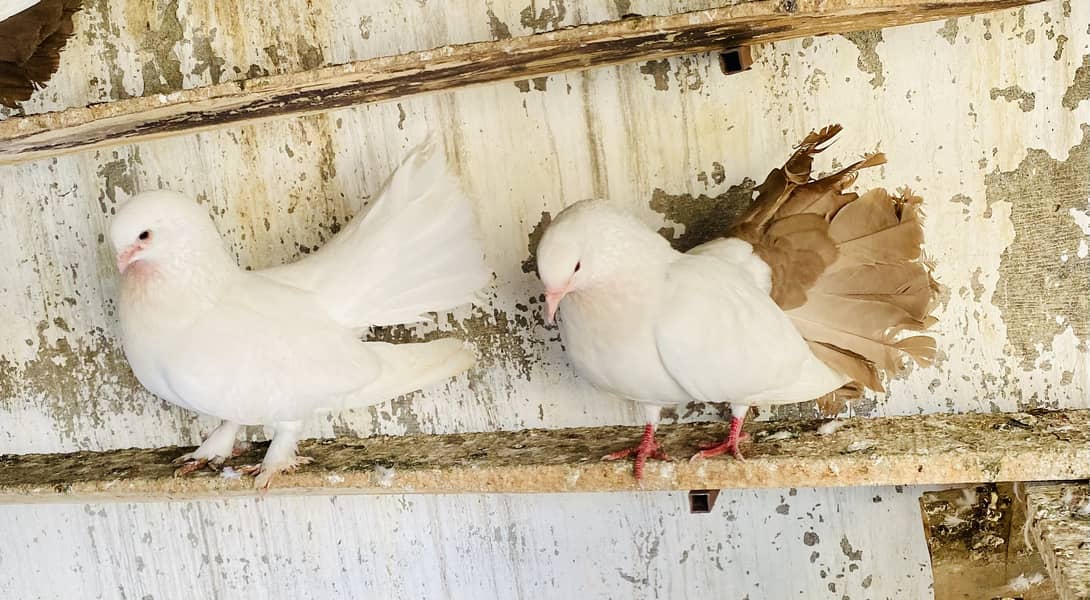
[(452, 67), (1059, 522), (934, 449)]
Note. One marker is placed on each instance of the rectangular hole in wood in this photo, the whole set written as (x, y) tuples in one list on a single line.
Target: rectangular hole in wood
[(702, 501), (735, 60)]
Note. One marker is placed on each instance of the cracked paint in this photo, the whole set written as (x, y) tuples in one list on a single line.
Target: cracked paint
[(869, 61), (672, 141), (1026, 100), (1040, 294), (1080, 87)]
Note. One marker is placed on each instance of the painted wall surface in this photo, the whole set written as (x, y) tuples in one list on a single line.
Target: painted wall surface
[(754, 544), (986, 117)]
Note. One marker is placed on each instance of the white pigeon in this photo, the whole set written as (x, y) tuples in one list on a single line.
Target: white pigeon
[(805, 297), (275, 346)]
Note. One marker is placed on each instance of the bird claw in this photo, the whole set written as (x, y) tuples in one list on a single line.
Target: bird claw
[(649, 448), (263, 476), (183, 459), (715, 449), (618, 455), (248, 469), (191, 463), (190, 466), (709, 445), (657, 454)]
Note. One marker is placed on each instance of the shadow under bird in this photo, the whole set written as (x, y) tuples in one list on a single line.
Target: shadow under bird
[(807, 296), (275, 346)]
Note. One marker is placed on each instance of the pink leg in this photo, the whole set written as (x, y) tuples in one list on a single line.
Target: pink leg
[(648, 448), (730, 445)]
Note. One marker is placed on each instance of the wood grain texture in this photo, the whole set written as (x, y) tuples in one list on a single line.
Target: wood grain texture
[(935, 449), (451, 67), (1060, 526)]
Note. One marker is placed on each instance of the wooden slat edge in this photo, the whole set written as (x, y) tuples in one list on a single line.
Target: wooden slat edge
[(1062, 536), (935, 449), (452, 67)]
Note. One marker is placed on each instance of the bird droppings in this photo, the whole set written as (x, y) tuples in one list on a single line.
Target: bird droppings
[(830, 427), (1022, 583), (384, 476), (1034, 285), (859, 446), (779, 435)]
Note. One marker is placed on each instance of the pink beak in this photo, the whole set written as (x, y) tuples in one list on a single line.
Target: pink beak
[(128, 256), (552, 303)]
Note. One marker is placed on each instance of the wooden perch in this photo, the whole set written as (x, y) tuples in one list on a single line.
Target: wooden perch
[(934, 449), (1059, 522), (452, 67)]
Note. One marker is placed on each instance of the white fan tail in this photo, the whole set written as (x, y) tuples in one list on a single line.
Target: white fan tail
[(417, 250), (410, 367)]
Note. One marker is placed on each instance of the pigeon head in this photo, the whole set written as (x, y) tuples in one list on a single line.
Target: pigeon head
[(160, 230), (592, 244)]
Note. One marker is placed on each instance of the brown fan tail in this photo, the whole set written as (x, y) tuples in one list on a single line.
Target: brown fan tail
[(848, 269)]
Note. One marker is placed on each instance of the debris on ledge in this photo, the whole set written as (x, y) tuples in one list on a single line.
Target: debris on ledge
[(1059, 522), (931, 449), (974, 536)]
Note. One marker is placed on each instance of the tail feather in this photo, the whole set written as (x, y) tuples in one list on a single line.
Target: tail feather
[(905, 285), (34, 35), (410, 367), (849, 363), (847, 269), (417, 250)]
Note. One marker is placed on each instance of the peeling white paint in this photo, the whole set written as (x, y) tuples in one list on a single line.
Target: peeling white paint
[(276, 187), (756, 544)]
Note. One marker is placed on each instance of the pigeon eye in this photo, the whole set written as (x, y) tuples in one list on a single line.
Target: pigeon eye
[(144, 235)]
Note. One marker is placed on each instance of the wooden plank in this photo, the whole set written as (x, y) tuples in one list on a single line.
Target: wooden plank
[(934, 449), (452, 67), (1059, 522)]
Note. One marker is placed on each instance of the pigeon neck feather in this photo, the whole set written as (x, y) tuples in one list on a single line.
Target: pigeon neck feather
[(175, 289)]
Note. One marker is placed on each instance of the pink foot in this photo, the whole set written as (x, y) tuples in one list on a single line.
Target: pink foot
[(648, 448), (742, 437), (729, 446)]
